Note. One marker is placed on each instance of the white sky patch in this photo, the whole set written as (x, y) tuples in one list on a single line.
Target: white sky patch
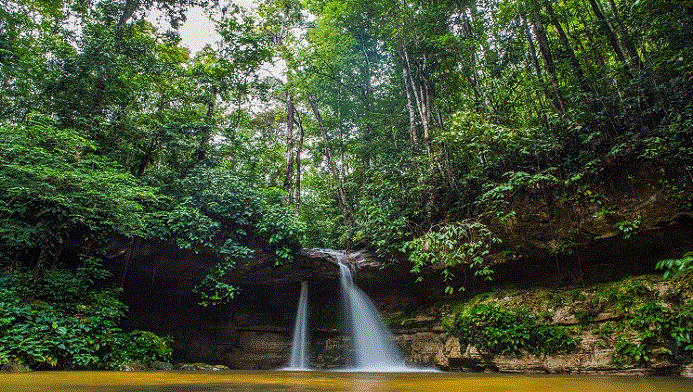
[(198, 31)]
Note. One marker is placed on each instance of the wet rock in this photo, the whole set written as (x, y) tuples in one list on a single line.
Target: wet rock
[(132, 366), (159, 365), (687, 371), (519, 364), (199, 367), (14, 367)]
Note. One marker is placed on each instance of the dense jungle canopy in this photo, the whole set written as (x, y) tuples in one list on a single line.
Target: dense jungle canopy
[(393, 125)]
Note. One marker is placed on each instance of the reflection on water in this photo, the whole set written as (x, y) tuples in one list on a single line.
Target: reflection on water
[(279, 381)]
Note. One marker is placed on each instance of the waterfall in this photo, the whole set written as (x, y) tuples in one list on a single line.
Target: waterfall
[(299, 343), (374, 349)]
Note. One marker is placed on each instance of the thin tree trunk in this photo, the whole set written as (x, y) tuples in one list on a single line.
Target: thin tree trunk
[(540, 34), (299, 150), (532, 49), (609, 32), (598, 58), (288, 180), (582, 80), (474, 80), (341, 194), (419, 98), (625, 38), (410, 107), (532, 69), (367, 98)]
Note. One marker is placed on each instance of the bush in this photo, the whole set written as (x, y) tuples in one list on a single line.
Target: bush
[(462, 243), (60, 322), (494, 330), (661, 330), (144, 347)]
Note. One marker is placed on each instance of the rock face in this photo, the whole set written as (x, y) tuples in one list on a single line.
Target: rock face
[(259, 350), (552, 239), (620, 328), (443, 351)]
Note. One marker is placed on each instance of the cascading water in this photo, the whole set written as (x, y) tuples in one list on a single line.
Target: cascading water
[(374, 349), (299, 344)]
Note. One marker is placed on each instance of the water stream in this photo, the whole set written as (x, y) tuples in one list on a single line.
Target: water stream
[(299, 344), (373, 346)]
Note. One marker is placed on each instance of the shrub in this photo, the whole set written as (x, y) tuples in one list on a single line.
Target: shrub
[(62, 322), (676, 267), (494, 330)]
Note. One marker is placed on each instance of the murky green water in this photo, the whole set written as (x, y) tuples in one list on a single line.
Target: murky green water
[(271, 381)]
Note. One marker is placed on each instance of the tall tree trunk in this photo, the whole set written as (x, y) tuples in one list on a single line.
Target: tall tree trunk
[(545, 50), (288, 180), (474, 80), (410, 107), (299, 150), (420, 100), (598, 58), (532, 49), (367, 101), (625, 38), (535, 62), (582, 80), (609, 32), (341, 194), (429, 112), (532, 68)]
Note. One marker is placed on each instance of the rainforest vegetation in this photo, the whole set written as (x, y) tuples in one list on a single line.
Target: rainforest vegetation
[(400, 126)]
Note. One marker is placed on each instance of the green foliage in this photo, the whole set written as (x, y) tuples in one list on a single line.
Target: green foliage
[(654, 319), (463, 243), (380, 228), (64, 322), (56, 187), (144, 347), (436, 115), (225, 215), (645, 320), (625, 295), (629, 227), (660, 331), (675, 268), (495, 330), (498, 195)]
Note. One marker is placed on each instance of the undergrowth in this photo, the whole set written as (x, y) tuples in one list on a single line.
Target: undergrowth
[(63, 322), (644, 320)]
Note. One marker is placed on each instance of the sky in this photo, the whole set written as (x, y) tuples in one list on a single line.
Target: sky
[(198, 29)]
